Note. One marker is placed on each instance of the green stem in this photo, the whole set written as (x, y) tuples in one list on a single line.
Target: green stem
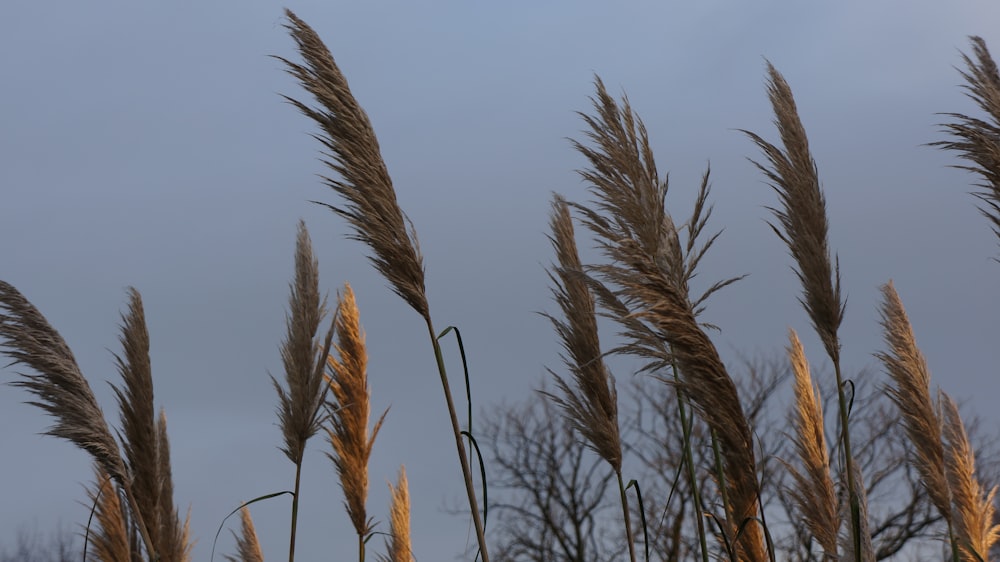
[(466, 472), (628, 519), (849, 460), (295, 511), (723, 490), (361, 548), (692, 475)]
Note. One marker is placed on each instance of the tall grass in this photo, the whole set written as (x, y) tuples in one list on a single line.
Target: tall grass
[(643, 280)]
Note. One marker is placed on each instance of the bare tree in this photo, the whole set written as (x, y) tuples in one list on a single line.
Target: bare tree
[(33, 546), (551, 487), (547, 489)]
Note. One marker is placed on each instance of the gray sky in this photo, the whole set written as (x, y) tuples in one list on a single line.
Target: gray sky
[(146, 144)]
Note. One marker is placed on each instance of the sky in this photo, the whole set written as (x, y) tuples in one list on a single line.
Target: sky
[(146, 144)]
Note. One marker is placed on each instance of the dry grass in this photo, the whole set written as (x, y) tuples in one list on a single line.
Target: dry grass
[(590, 402), (911, 393), (364, 182), (112, 540), (247, 544), (978, 140), (398, 546), (814, 492), (974, 514), (348, 426), (300, 407), (650, 271), (802, 218), (58, 385)]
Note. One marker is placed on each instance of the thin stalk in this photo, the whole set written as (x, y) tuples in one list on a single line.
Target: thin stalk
[(845, 437), (720, 469), (142, 525), (628, 520), (466, 471), (361, 548), (295, 512), (692, 475)]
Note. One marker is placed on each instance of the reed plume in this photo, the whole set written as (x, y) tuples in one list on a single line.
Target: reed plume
[(814, 493), (973, 509), (371, 209), (112, 540), (977, 140), (589, 401), (348, 427), (304, 357), (175, 536), (59, 386), (247, 544), (911, 393), (802, 226), (398, 546), (140, 435), (651, 269), (354, 155)]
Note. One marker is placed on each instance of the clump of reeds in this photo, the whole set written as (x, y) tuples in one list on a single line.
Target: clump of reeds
[(649, 271), (977, 140), (398, 546), (350, 409), (589, 401), (304, 357), (247, 543), (63, 392), (814, 493), (362, 180)]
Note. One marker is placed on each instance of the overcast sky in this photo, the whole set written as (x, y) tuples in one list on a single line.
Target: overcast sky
[(146, 144)]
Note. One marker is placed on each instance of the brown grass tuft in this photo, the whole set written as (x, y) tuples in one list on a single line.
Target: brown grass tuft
[(300, 407), (650, 270), (348, 429), (60, 388), (978, 140), (802, 219), (911, 393), (974, 511), (814, 492), (111, 540), (247, 545), (399, 547), (140, 435), (354, 155), (590, 403), (175, 536)]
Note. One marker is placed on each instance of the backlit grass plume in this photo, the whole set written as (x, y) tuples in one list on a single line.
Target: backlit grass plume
[(977, 139), (111, 539), (650, 269), (247, 544), (348, 426), (398, 546), (974, 513), (304, 358), (589, 400), (911, 392), (362, 180), (814, 493)]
